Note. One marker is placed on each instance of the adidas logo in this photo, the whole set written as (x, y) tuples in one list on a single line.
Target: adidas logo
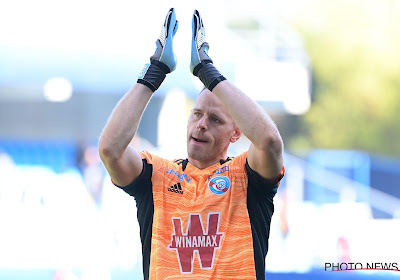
[(177, 188)]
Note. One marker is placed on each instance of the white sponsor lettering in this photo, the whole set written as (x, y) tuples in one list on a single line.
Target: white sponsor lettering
[(196, 241)]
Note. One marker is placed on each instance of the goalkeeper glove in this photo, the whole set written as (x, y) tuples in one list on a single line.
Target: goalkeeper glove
[(163, 61), (201, 64)]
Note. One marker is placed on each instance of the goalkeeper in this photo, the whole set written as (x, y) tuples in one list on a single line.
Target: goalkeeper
[(206, 216)]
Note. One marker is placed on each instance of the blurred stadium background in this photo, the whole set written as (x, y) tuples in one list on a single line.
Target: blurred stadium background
[(65, 64)]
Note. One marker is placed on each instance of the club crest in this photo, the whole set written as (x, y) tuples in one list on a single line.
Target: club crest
[(219, 185)]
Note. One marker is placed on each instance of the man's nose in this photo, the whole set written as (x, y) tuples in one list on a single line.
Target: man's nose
[(202, 124)]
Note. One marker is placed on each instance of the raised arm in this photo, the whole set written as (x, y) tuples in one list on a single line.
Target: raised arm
[(266, 150), (123, 162)]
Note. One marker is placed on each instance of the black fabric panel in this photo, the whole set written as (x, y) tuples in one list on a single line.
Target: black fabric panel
[(142, 190), (260, 194)]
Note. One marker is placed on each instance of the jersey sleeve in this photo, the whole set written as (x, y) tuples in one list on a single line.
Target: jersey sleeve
[(262, 185), (143, 182), (255, 180)]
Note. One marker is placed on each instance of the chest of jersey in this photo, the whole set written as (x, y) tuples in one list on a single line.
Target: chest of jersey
[(201, 224)]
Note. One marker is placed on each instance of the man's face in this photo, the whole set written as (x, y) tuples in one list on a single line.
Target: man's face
[(210, 130)]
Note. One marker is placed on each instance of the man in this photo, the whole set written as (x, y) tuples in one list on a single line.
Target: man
[(207, 216)]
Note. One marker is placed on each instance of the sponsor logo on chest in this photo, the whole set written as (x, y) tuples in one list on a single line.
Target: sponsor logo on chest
[(181, 176), (196, 239)]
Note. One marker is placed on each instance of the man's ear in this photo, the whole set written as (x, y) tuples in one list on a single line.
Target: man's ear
[(236, 135)]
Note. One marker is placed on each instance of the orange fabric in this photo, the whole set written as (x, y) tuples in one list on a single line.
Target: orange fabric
[(201, 227)]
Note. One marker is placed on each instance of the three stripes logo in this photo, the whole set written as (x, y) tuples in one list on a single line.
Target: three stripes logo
[(177, 188)]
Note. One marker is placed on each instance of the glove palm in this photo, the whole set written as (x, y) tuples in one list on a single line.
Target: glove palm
[(201, 64), (199, 44), (163, 61), (164, 51)]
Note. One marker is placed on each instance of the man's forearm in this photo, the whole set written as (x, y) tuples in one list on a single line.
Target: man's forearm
[(124, 163), (251, 119), (124, 121)]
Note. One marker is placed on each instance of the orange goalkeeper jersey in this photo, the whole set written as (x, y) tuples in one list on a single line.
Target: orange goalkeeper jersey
[(202, 224)]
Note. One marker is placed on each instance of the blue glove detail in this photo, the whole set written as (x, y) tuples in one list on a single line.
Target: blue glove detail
[(163, 61), (199, 45), (164, 51), (201, 64), (144, 71)]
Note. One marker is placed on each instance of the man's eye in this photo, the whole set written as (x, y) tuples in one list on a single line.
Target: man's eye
[(215, 120)]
